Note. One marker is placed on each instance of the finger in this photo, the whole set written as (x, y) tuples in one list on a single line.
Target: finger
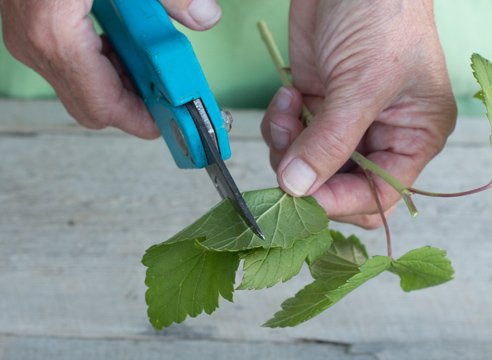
[(281, 122), (354, 97), (275, 158), (406, 140), (108, 51), (195, 14), (349, 194), (324, 146), (369, 222), (90, 88)]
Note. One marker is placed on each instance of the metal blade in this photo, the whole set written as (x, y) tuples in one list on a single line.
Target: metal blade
[(217, 170)]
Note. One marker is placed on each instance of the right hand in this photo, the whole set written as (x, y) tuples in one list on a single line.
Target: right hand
[(374, 75), (56, 38)]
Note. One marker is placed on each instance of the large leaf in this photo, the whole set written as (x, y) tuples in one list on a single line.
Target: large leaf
[(324, 293), (186, 279), (282, 218), (482, 70), (422, 268), (266, 267)]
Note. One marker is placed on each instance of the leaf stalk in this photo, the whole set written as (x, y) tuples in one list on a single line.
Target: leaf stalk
[(451, 195), (374, 191)]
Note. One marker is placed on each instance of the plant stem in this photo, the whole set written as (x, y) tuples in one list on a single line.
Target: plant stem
[(274, 53), (451, 195), (374, 191), (282, 69), (307, 118), (404, 192)]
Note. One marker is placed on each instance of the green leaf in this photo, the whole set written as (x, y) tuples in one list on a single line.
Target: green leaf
[(266, 267), (482, 70), (324, 293), (185, 279), (342, 260), (320, 244), (282, 218), (422, 268)]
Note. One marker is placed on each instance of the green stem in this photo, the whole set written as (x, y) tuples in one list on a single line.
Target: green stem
[(404, 192), (282, 69), (308, 117), (277, 58)]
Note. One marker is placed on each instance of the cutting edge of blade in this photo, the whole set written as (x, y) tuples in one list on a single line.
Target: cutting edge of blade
[(217, 169)]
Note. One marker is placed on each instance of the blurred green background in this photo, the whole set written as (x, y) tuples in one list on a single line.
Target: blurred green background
[(241, 74)]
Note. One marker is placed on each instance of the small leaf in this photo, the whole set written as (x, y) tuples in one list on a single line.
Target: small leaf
[(186, 279), (324, 293), (320, 244), (266, 267), (341, 269), (282, 218), (343, 259), (422, 268), (482, 70)]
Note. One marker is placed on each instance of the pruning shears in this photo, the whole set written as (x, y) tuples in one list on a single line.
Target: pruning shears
[(170, 80)]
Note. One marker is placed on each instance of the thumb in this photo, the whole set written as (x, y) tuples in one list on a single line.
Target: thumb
[(195, 14), (326, 145)]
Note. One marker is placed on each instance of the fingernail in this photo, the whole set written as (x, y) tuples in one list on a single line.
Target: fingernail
[(204, 12), (283, 99), (280, 137), (298, 177)]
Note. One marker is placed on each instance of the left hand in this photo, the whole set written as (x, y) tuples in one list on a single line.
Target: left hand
[(57, 39)]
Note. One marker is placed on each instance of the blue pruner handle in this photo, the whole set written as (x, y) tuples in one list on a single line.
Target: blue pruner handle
[(166, 72)]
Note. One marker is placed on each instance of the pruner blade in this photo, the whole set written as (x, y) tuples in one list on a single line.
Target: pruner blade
[(217, 170)]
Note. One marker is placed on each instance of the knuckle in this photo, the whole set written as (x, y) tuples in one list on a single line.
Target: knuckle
[(84, 118), (370, 222), (150, 136), (38, 39), (448, 120), (101, 111), (327, 144), (445, 116), (423, 143), (373, 224), (335, 144), (90, 124), (428, 143), (101, 119)]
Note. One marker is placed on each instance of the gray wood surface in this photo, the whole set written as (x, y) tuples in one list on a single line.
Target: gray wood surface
[(79, 208)]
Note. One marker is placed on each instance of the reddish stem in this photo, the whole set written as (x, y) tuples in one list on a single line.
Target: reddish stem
[(374, 191), (452, 195)]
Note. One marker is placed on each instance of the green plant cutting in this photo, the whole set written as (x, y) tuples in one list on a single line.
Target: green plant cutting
[(189, 273)]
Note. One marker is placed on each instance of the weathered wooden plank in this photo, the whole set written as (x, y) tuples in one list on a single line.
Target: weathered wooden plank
[(42, 348), (59, 348), (77, 212)]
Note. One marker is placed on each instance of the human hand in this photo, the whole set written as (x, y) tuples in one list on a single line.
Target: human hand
[(375, 78), (57, 39)]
